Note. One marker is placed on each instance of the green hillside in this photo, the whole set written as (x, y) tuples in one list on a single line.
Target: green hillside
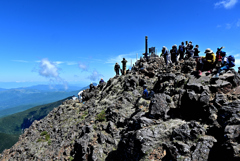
[(7, 141), (11, 126)]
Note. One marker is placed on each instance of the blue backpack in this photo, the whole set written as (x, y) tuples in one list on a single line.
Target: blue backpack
[(231, 60), (181, 48)]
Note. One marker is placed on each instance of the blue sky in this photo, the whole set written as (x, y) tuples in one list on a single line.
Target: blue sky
[(78, 42)]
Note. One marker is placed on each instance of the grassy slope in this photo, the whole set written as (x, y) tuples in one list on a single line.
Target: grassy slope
[(7, 141), (11, 126)]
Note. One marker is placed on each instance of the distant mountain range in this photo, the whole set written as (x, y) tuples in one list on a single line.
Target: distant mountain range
[(53, 88), (2, 89), (20, 99)]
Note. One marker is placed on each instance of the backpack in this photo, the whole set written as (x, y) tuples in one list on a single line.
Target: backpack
[(181, 48), (231, 60)]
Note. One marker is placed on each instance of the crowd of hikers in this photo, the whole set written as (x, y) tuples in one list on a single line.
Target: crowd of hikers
[(219, 60)]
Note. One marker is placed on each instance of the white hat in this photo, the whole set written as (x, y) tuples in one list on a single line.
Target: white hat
[(208, 51)]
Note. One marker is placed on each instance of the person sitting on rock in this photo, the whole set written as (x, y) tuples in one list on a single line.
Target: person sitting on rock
[(101, 81), (220, 55), (166, 55), (209, 60), (151, 94), (145, 92), (228, 63), (174, 54), (200, 65), (116, 68), (74, 98)]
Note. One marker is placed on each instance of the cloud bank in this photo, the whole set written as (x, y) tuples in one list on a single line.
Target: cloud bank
[(226, 3), (94, 75), (49, 70)]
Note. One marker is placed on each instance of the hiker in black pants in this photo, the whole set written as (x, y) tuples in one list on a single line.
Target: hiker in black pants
[(116, 68), (181, 50)]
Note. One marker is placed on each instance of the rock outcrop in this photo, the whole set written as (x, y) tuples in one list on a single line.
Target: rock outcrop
[(188, 118)]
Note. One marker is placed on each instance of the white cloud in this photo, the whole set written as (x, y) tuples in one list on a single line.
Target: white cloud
[(131, 58), (58, 62), (218, 26), (49, 70), (226, 3)]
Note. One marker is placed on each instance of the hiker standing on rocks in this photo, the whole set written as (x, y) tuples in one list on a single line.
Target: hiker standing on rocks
[(91, 87), (116, 68), (174, 54), (166, 54), (196, 52), (124, 66), (181, 51), (189, 52), (80, 96), (189, 45)]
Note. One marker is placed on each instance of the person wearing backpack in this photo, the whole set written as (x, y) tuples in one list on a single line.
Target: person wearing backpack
[(174, 54), (229, 62), (209, 60), (219, 60), (166, 55), (188, 45), (116, 68), (189, 52), (181, 51)]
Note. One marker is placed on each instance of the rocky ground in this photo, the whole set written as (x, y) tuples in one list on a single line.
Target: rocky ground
[(189, 118)]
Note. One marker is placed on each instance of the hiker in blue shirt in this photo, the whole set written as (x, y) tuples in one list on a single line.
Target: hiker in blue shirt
[(101, 81), (145, 91), (228, 62)]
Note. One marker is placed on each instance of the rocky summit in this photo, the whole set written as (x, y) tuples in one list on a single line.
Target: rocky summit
[(188, 118)]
